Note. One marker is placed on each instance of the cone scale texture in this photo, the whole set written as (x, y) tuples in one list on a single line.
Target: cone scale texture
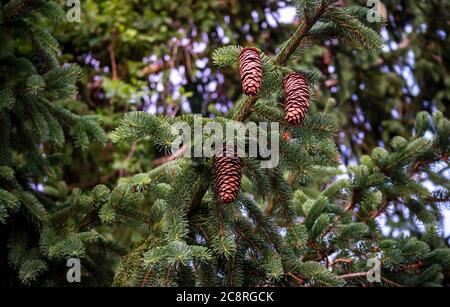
[(296, 101), (250, 68), (228, 174)]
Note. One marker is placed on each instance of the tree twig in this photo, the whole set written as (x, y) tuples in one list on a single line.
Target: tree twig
[(341, 260), (112, 55), (175, 155), (364, 274), (21, 6), (302, 31), (128, 158), (353, 275)]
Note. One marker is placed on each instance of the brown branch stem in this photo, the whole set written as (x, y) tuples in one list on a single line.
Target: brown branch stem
[(298, 279), (20, 7), (174, 156), (112, 55), (353, 275)]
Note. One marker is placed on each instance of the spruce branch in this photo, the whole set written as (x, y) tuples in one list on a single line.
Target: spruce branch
[(14, 7), (288, 49), (283, 56), (353, 31)]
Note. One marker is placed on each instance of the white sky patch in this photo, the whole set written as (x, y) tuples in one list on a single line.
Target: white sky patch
[(199, 47), (446, 215), (154, 78), (382, 220), (287, 14), (185, 41), (428, 135), (423, 27), (344, 174), (389, 45), (220, 32), (408, 28), (395, 114), (211, 86), (185, 105), (38, 187), (408, 75), (160, 87), (411, 58), (152, 109), (384, 34), (442, 34), (255, 16), (225, 40)]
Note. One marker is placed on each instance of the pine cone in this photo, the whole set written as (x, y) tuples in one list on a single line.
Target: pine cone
[(296, 101), (227, 172), (250, 68)]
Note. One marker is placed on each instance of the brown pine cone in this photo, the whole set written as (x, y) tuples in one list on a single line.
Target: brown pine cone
[(250, 68), (296, 100), (228, 174)]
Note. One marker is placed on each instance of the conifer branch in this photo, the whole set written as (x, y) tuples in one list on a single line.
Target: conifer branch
[(288, 49), (14, 10), (364, 274), (314, 226), (283, 56), (298, 279), (353, 275), (302, 31)]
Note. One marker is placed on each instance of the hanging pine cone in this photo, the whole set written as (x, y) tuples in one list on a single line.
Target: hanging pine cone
[(250, 68), (227, 172), (286, 136), (296, 100)]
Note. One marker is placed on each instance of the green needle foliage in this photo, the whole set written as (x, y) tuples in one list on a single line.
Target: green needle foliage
[(34, 127), (306, 222), (287, 227)]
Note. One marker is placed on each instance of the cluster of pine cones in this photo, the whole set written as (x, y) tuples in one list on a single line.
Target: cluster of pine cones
[(227, 165)]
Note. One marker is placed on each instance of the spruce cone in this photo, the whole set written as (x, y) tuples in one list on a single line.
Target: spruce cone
[(227, 172), (296, 99), (250, 68)]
